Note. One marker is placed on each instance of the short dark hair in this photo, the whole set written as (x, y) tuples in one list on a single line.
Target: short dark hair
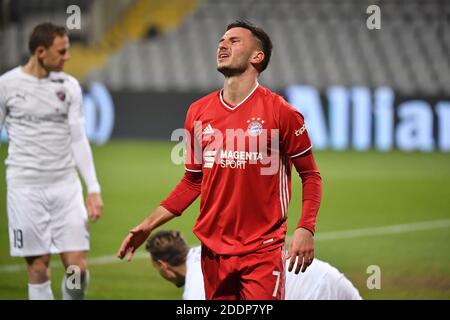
[(260, 35), (43, 35), (168, 246)]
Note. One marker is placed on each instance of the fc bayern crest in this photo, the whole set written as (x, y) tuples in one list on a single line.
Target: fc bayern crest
[(255, 127), (61, 95)]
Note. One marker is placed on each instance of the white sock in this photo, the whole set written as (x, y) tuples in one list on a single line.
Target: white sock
[(70, 290), (40, 291)]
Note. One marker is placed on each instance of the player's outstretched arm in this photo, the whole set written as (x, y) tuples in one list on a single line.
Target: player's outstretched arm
[(186, 191), (137, 236)]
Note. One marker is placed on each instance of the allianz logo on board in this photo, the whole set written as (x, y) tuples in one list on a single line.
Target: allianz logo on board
[(360, 119)]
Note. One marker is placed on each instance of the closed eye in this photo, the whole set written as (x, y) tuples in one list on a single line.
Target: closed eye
[(231, 39)]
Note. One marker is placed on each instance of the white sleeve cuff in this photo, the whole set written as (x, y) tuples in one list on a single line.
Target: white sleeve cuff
[(94, 188)]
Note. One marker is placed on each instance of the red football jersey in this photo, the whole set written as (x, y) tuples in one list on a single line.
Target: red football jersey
[(244, 153)]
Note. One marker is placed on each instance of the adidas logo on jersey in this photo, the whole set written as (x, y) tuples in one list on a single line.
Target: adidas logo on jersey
[(300, 131), (208, 130), (209, 157)]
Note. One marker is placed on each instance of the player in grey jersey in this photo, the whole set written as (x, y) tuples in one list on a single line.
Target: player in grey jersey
[(41, 108)]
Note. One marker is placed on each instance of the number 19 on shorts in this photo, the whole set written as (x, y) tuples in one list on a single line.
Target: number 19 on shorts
[(18, 239)]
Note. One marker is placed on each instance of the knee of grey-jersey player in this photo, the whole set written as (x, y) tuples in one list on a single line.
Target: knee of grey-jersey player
[(38, 269), (74, 286)]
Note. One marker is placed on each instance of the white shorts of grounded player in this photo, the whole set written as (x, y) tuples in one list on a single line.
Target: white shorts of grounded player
[(47, 219)]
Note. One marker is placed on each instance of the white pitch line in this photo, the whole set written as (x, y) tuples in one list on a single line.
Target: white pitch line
[(324, 236), (394, 229), (95, 261)]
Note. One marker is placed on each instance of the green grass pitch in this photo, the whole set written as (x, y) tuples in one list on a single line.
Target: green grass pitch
[(361, 190)]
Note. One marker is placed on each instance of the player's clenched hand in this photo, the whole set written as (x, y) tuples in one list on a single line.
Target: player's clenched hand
[(134, 240), (301, 246), (94, 204)]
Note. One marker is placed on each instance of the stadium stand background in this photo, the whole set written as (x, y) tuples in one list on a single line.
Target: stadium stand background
[(319, 43)]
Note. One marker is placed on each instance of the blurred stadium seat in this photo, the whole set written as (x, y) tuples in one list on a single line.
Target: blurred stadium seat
[(319, 43)]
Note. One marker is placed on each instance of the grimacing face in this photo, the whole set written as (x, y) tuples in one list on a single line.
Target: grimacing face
[(236, 51), (54, 57)]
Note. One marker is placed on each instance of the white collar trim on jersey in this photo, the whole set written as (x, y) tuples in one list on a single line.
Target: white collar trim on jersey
[(233, 108), (51, 75)]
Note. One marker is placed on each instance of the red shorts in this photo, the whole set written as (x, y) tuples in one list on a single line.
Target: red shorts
[(254, 276)]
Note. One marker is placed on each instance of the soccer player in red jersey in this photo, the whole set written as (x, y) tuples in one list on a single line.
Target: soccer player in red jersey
[(241, 144)]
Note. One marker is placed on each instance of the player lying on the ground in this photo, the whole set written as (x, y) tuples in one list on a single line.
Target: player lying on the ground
[(181, 265)]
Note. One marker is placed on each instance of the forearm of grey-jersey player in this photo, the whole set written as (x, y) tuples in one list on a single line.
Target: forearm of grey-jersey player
[(1, 127), (82, 154), (2, 112)]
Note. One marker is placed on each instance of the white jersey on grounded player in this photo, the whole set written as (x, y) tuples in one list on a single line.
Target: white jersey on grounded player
[(37, 114), (193, 286), (320, 281)]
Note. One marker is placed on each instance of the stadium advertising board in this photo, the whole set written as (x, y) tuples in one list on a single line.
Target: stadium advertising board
[(361, 119), (340, 118)]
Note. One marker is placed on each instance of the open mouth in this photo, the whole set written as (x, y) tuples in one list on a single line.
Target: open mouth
[(223, 56)]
